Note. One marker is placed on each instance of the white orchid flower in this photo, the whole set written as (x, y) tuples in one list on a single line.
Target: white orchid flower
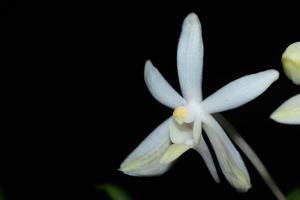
[(289, 111), (183, 131)]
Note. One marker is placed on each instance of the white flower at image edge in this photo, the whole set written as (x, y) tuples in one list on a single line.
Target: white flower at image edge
[(289, 111), (183, 130), (291, 62)]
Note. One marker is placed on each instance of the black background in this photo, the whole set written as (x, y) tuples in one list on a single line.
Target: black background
[(75, 75)]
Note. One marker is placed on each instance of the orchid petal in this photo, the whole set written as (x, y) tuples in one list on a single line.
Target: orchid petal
[(181, 133), (229, 158), (203, 150), (288, 112), (240, 91), (190, 58), (197, 130), (173, 152), (160, 89), (144, 160)]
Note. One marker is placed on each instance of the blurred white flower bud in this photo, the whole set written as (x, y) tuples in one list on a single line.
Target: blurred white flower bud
[(291, 62)]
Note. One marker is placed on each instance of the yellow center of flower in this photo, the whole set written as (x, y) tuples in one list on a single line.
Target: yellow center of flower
[(180, 113)]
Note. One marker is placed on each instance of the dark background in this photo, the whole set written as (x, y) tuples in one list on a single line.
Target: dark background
[(75, 79)]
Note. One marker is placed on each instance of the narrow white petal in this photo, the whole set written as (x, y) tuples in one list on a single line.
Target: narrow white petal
[(203, 150), (240, 91), (160, 89), (173, 152), (181, 133), (229, 158), (144, 160), (197, 130), (288, 112), (190, 58)]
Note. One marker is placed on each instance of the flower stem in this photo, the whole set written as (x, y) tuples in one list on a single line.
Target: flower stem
[(248, 151)]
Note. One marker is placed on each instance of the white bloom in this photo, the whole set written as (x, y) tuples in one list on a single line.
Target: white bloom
[(289, 111), (183, 131)]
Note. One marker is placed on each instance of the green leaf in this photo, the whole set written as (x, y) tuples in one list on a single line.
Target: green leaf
[(2, 196), (115, 192), (294, 194)]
